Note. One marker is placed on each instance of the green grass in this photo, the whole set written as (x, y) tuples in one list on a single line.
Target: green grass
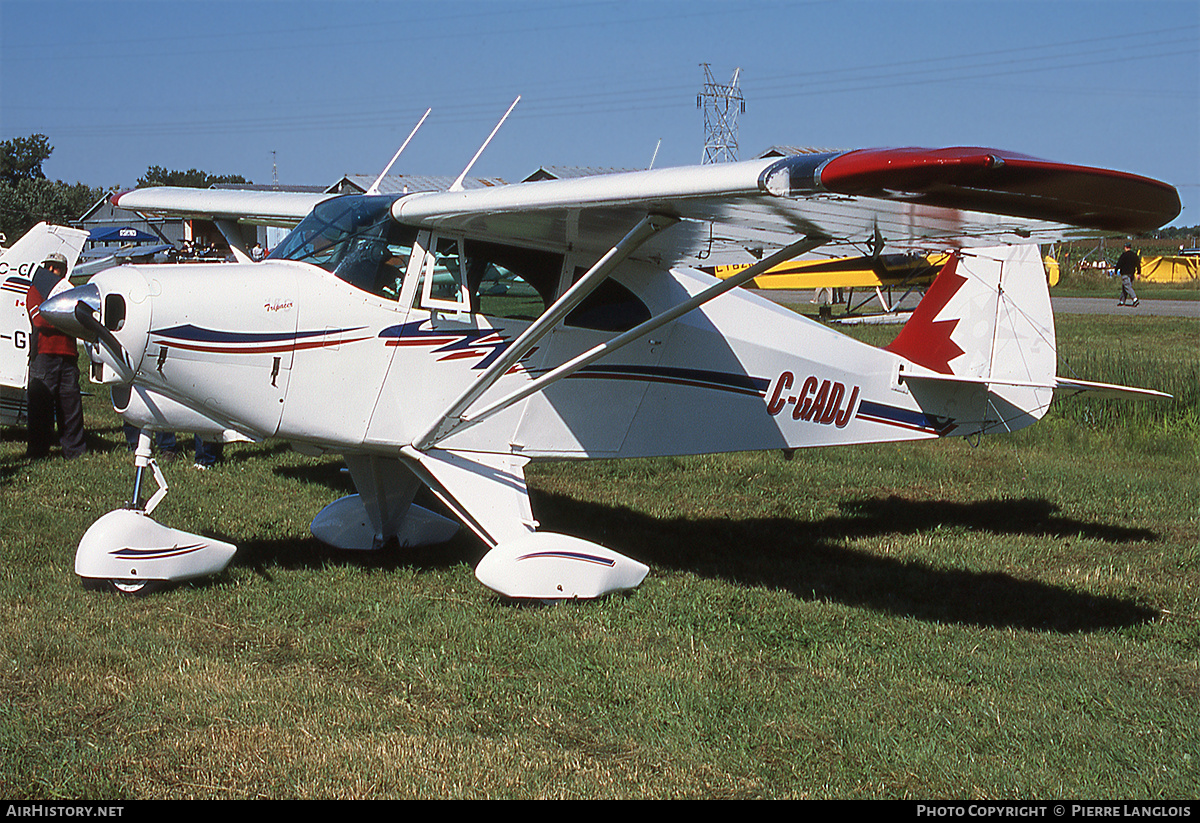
[(929, 620), (1090, 283), (1111, 290)]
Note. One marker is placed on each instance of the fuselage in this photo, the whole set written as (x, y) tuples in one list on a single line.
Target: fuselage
[(358, 333)]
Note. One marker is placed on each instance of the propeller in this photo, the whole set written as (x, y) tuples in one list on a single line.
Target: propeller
[(75, 312)]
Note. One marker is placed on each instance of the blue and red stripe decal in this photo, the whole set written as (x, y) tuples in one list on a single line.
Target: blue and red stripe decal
[(129, 553), (564, 555), (194, 338), (904, 418), (16, 285)]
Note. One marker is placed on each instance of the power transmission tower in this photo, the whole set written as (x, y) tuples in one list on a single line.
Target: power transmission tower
[(722, 104)]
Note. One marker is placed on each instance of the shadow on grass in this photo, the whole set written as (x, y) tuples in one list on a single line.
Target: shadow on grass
[(330, 473), (15, 463), (310, 553), (106, 439), (810, 559)]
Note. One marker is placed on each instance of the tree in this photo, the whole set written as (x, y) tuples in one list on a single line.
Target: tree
[(27, 197), (192, 178), (21, 158)]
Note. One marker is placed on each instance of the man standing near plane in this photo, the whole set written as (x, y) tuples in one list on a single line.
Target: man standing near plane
[(53, 385), (1129, 266)]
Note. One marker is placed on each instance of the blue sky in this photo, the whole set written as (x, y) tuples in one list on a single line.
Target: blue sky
[(315, 90)]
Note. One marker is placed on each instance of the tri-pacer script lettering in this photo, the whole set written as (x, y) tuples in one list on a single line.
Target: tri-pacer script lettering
[(819, 401)]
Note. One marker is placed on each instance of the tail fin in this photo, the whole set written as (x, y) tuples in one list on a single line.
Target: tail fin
[(18, 263), (982, 339), (24, 256)]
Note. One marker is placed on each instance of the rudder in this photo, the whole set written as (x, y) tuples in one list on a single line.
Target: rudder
[(986, 322)]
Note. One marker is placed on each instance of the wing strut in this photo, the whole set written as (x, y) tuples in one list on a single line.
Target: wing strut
[(624, 339), (649, 226), (233, 237)]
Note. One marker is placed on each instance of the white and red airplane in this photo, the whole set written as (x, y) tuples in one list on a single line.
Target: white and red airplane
[(448, 338), (18, 262)]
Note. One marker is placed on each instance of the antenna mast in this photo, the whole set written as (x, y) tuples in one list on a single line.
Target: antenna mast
[(722, 104)]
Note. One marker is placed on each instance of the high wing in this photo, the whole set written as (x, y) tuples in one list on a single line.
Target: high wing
[(954, 197), (225, 208), (730, 212), (260, 208), (866, 271)]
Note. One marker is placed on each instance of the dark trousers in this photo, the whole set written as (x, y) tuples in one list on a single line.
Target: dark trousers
[(209, 452), (54, 397), (164, 440)]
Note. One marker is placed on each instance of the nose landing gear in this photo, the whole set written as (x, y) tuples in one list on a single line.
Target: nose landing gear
[(127, 552)]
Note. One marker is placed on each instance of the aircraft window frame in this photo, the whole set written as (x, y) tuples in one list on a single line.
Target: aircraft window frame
[(539, 271), (435, 250)]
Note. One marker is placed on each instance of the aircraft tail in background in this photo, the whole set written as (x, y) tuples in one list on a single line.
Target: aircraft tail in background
[(17, 265)]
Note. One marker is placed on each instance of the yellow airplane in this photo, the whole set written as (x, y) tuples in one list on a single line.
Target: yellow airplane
[(879, 272), (846, 272)]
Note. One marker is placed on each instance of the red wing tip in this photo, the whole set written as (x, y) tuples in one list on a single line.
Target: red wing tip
[(860, 166), (983, 179)]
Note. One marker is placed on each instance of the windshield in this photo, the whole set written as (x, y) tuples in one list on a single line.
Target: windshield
[(354, 238)]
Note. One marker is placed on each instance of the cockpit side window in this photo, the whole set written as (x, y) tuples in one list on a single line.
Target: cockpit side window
[(387, 276), (356, 239), (510, 282)]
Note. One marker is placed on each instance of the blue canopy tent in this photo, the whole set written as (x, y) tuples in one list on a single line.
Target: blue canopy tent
[(120, 234)]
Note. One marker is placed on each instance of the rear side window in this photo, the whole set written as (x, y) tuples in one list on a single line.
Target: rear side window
[(611, 307)]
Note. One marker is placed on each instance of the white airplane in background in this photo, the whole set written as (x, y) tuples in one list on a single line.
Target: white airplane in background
[(17, 265), (160, 253), (448, 338)]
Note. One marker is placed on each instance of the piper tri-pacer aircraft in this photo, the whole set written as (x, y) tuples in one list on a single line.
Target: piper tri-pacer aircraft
[(447, 338), (17, 265)]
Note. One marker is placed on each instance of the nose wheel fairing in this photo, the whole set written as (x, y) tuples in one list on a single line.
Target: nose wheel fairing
[(130, 551)]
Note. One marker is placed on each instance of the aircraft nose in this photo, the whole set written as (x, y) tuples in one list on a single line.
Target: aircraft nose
[(77, 313), (70, 310)]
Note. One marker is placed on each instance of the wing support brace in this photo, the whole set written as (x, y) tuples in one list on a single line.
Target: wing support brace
[(233, 237), (451, 419), (624, 339)]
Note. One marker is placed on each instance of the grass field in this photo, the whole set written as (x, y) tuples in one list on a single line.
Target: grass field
[(1016, 619)]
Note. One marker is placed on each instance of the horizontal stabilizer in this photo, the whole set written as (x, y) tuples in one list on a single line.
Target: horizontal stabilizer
[(1107, 390), (1060, 384)]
